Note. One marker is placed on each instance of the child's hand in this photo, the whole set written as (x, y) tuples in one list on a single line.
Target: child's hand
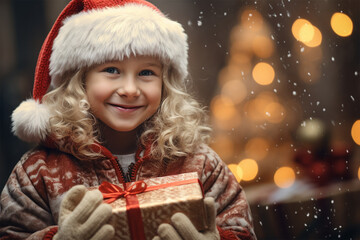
[(83, 216), (182, 228)]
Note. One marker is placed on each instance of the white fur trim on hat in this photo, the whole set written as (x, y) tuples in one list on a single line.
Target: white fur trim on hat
[(30, 121), (100, 35)]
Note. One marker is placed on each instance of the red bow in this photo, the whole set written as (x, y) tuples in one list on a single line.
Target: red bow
[(112, 192)]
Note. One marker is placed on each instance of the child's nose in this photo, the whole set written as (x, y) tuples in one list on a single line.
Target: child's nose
[(129, 87)]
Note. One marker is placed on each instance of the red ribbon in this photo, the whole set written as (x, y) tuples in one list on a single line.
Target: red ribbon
[(112, 192)]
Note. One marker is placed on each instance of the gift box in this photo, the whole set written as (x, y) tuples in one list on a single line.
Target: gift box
[(140, 207)]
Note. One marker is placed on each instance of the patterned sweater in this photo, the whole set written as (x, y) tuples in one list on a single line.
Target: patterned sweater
[(30, 200)]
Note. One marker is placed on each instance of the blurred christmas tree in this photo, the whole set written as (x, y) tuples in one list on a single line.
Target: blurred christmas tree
[(267, 125)]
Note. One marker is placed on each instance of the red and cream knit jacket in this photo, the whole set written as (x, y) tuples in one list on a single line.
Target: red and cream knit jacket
[(30, 200)]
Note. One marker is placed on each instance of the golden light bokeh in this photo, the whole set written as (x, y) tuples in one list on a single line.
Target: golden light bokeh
[(249, 169), (316, 39), (355, 132), (240, 40), (235, 90), (274, 112), (251, 20), (227, 124), (306, 32), (262, 46), (359, 173), (284, 177), (257, 148), (253, 109), (224, 146), (236, 171), (256, 109), (341, 24), (222, 107), (242, 62), (229, 73), (297, 26), (263, 73)]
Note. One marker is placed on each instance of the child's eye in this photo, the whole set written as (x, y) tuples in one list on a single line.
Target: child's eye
[(111, 70), (146, 73)]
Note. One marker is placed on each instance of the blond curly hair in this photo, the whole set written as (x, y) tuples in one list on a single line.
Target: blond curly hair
[(175, 130)]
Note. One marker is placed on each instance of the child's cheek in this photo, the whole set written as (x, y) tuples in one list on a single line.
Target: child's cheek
[(99, 91)]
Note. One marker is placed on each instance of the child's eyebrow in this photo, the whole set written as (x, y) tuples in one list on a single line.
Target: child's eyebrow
[(152, 64)]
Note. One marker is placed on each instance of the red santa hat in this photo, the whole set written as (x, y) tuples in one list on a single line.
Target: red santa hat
[(89, 32)]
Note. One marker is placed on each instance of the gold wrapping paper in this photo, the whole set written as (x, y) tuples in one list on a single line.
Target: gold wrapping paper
[(158, 206)]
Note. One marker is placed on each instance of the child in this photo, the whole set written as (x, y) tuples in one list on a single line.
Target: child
[(117, 110)]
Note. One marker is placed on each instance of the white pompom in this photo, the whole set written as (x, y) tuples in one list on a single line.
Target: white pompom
[(30, 121)]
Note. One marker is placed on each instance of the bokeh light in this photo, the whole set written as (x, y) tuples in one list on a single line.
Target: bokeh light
[(249, 169), (275, 112), (316, 39), (234, 90), (355, 132), (256, 108), (359, 173), (224, 146), (257, 148), (263, 73), (262, 46), (222, 107), (236, 171), (306, 33), (284, 177), (241, 61), (228, 124), (341, 24), (298, 25), (229, 73), (252, 20)]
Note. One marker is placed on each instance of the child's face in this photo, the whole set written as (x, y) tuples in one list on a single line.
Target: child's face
[(123, 94)]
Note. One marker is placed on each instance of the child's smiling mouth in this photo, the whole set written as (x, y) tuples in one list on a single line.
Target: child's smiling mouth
[(126, 108)]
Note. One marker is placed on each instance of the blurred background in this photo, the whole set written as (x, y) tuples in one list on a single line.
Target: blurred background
[(280, 79)]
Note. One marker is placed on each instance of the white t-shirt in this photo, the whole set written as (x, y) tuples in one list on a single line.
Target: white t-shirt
[(125, 161)]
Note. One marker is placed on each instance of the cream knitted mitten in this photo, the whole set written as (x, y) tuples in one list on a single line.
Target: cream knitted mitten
[(83, 216), (182, 228)]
